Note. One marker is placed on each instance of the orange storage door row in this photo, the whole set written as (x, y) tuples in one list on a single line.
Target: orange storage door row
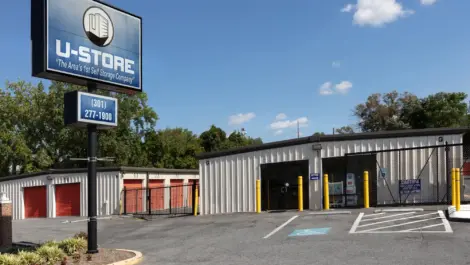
[(67, 199), (134, 195), (35, 202), (157, 194), (177, 188)]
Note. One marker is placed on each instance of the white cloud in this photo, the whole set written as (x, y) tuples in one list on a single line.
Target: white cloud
[(343, 87), (377, 13), (336, 64), (240, 118), (281, 116), (348, 8), (278, 132), (285, 124), (428, 2), (326, 89)]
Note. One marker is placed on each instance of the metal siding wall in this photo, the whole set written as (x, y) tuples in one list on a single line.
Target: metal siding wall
[(411, 163), (228, 184), (236, 174), (109, 190), (108, 195)]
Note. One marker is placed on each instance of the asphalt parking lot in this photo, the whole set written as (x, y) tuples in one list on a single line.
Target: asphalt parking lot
[(267, 238)]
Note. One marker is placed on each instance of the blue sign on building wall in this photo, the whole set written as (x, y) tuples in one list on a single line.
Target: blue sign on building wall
[(314, 176), (86, 40), (409, 186)]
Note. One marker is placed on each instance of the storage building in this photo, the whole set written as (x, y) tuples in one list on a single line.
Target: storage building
[(406, 166), (55, 193)]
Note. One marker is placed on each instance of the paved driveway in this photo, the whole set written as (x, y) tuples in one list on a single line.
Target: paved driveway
[(275, 238)]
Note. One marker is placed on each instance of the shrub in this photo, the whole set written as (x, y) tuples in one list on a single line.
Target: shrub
[(30, 258), (51, 243), (51, 254), (72, 245), (81, 235), (10, 259)]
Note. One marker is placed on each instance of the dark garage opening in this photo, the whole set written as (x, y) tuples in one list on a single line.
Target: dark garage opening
[(275, 194), (345, 177)]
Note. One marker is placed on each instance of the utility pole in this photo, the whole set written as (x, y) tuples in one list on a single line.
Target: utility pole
[(298, 129)]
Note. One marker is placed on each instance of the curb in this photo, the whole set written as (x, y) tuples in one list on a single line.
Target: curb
[(330, 213), (399, 210), (134, 260), (456, 219)]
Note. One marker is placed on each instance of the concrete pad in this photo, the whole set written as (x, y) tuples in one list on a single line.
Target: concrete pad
[(462, 215)]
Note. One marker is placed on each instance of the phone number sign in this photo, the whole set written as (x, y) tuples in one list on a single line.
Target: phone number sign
[(83, 108)]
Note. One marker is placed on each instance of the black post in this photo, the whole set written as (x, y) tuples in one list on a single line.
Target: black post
[(170, 198), (92, 221), (448, 172), (149, 196), (125, 201), (193, 199), (437, 175)]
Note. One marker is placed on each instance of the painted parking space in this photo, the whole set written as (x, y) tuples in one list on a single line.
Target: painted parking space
[(401, 222), (310, 231), (311, 225)]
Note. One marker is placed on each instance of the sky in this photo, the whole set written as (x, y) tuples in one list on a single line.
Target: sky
[(268, 65)]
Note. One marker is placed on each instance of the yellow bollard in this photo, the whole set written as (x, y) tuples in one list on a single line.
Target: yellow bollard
[(453, 188), (300, 194), (326, 195), (366, 189), (457, 188), (196, 201), (258, 196)]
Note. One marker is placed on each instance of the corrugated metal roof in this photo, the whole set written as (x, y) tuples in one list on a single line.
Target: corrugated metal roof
[(336, 137), (103, 169)]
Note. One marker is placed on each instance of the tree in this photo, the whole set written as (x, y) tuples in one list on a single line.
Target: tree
[(173, 148), (383, 112), (34, 137), (345, 130), (213, 139), (394, 111), (238, 139), (438, 110), (318, 133)]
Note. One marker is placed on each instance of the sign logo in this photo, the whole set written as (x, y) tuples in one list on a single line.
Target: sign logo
[(98, 26)]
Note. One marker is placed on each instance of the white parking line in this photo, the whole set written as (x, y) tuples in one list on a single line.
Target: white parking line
[(388, 216), (378, 228), (373, 214), (399, 219), (362, 218), (356, 223), (280, 227), (446, 222), (421, 228)]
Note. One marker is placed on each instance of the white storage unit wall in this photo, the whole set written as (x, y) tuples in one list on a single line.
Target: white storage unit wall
[(110, 185), (227, 178)]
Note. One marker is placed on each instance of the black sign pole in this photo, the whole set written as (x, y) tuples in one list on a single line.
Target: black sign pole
[(92, 160)]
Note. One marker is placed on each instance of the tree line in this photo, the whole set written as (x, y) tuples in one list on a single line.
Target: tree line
[(399, 111), (33, 136)]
